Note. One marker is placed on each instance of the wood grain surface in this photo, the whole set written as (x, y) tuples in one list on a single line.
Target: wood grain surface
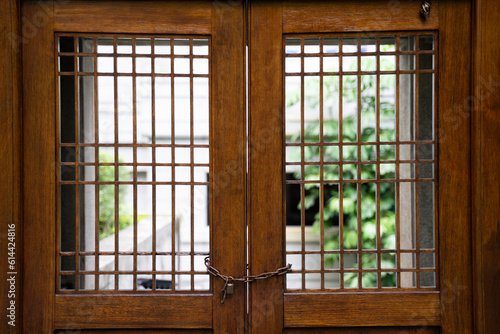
[(39, 172), (10, 163), (485, 159), (186, 17), (454, 154), (362, 309), (468, 153), (133, 311), (360, 15), (265, 166), (228, 157)]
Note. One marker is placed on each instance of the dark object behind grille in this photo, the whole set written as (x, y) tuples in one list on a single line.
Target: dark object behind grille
[(160, 284)]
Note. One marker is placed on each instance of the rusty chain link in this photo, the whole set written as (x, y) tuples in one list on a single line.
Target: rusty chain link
[(245, 279)]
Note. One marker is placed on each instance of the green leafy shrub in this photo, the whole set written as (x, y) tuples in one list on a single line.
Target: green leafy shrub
[(368, 190), (107, 198)]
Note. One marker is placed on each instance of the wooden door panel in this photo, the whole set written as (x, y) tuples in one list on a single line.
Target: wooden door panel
[(81, 303), (412, 302)]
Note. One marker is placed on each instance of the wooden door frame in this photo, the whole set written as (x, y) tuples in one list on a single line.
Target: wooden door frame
[(485, 138)]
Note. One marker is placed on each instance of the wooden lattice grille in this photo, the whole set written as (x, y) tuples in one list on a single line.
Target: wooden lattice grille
[(361, 159), (133, 163)]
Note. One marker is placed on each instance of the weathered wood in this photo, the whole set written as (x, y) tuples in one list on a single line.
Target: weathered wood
[(486, 176), (454, 199), (362, 309), (10, 165), (265, 166), (186, 17), (119, 311), (360, 15)]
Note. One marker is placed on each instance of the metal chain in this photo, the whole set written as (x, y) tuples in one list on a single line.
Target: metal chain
[(245, 279)]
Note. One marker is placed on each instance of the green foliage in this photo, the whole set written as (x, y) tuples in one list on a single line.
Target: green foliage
[(107, 198), (368, 190)]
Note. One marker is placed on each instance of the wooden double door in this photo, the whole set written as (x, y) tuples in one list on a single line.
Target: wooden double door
[(255, 134)]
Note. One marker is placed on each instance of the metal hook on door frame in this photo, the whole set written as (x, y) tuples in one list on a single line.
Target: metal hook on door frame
[(425, 8)]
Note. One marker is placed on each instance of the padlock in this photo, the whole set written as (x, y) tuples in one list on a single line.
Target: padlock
[(230, 288)]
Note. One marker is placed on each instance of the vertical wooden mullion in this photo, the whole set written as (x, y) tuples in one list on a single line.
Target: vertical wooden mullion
[(321, 167), (398, 199), (302, 167), (416, 139), (283, 152), (341, 167), (153, 157), (58, 164), (116, 157), (435, 159), (191, 152), (134, 116), (377, 139), (96, 161), (210, 161), (172, 128), (358, 161), (77, 169)]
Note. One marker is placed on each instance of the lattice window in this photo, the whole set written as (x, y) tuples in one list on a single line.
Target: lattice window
[(360, 148), (133, 160)]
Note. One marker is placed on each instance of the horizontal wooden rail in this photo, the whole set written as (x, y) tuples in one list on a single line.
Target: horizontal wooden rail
[(361, 15), (133, 311), (117, 16), (362, 309)]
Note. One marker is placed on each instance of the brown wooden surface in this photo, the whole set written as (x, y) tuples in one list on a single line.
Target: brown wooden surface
[(366, 330), (485, 159), (228, 202), (360, 15), (10, 161), (186, 17), (454, 200), (318, 309), (361, 309), (228, 158), (265, 166), (153, 311), (485, 177), (39, 171), (141, 331)]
